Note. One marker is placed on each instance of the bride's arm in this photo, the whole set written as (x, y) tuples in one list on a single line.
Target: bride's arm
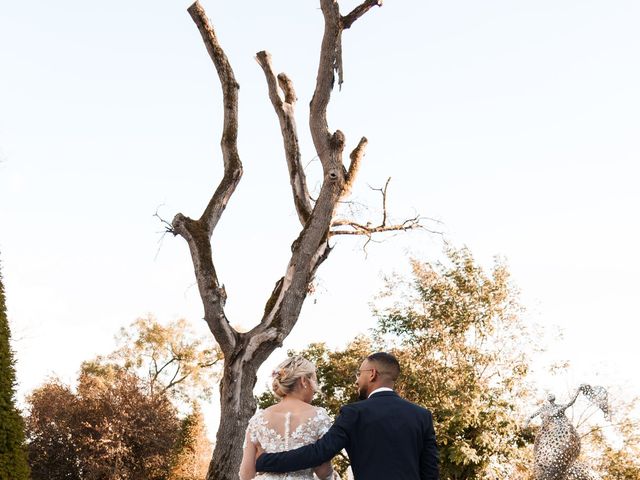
[(324, 471), (248, 464)]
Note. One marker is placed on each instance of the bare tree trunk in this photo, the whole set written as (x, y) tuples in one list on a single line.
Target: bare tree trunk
[(237, 404), (245, 352)]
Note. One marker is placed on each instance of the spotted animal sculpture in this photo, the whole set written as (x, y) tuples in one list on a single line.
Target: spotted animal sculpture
[(557, 443)]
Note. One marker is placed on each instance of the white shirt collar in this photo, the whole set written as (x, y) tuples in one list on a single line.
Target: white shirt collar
[(381, 389)]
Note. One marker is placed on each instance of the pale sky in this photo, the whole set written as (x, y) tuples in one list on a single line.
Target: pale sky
[(516, 124)]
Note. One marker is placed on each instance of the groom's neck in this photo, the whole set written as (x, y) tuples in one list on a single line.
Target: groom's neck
[(375, 386)]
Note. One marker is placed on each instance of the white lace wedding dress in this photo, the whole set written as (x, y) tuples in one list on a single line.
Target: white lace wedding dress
[(278, 432)]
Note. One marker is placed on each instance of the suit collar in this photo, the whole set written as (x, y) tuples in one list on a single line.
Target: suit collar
[(383, 393)]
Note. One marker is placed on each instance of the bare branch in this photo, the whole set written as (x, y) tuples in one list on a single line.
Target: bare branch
[(285, 112), (198, 233), (167, 225), (168, 228), (354, 166), (152, 379), (287, 87), (329, 61), (171, 384), (173, 380), (209, 364), (344, 23), (383, 191), (311, 247), (367, 229), (353, 227), (213, 294), (384, 202), (158, 371), (229, 141), (357, 12)]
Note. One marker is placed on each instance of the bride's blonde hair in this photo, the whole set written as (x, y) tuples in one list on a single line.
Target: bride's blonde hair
[(286, 375)]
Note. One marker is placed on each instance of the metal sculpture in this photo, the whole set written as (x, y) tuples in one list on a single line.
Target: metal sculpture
[(557, 444)]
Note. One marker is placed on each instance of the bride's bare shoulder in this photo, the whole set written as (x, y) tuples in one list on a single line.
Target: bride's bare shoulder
[(270, 408)]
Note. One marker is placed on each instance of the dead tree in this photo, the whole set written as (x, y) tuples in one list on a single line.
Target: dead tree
[(244, 352)]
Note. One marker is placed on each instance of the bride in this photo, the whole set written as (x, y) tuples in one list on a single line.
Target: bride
[(291, 423)]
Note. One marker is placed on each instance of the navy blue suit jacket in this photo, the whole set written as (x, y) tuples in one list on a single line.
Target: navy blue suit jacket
[(385, 436)]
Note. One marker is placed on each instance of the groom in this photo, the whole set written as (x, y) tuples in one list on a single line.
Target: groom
[(386, 437)]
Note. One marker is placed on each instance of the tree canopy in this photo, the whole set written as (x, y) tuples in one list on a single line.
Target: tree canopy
[(122, 420), (107, 430), (169, 358), (458, 332), (193, 449)]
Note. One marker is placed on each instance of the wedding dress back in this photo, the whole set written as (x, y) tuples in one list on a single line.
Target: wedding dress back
[(277, 431)]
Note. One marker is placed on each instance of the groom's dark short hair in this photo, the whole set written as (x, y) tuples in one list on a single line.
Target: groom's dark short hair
[(389, 365)]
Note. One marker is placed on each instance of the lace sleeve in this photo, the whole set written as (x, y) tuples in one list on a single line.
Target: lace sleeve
[(252, 428), (324, 421)]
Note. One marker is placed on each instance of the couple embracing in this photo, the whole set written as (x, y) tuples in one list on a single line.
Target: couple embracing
[(385, 436)]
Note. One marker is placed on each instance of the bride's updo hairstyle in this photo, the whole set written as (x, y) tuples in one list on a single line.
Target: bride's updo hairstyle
[(286, 375)]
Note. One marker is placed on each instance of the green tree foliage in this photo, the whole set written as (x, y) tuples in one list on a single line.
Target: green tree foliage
[(620, 463), (13, 455), (614, 445), (120, 422), (171, 358), (110, 429), (193, 449), (463, 347), (52, 428)]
